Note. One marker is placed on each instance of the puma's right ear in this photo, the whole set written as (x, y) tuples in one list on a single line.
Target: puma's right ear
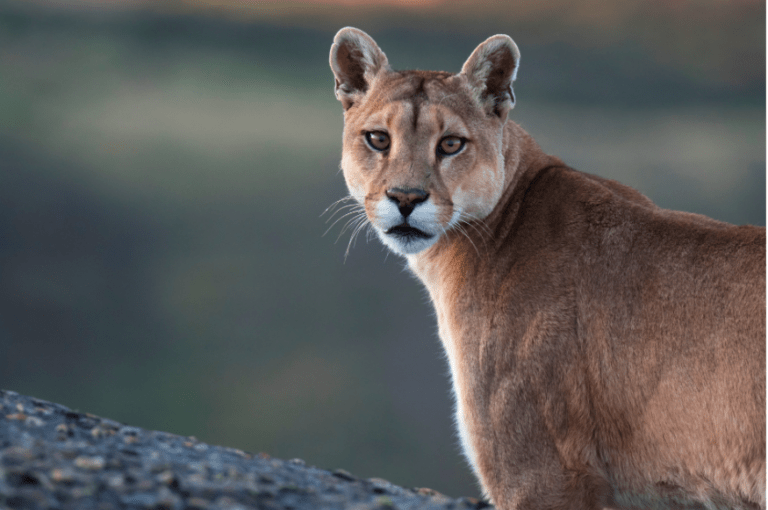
[(355, 61), (490, 71)]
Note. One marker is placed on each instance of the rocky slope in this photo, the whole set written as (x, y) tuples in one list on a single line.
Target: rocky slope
[(54, 458)]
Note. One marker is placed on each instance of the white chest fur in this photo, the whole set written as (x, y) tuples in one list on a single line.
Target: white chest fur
[(461, 412), (460, 384)]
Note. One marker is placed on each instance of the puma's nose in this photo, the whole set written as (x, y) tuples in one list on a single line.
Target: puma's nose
[(407, 199)]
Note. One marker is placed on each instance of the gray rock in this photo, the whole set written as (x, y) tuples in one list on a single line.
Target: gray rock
[(54, 458)]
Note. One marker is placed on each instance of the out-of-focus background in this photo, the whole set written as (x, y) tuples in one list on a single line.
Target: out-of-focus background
[(164, 165)]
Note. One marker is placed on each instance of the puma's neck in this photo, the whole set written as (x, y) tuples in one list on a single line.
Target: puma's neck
[(446, 265)]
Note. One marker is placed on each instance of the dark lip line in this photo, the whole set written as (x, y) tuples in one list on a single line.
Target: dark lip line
[(405, 230)]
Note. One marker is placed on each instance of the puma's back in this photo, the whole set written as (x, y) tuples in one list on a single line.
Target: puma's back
[(603, 351)]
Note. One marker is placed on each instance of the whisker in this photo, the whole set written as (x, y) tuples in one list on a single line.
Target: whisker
[(477, 223), (352, 224), (342, 199), (355, 223), (369, 233), (352, 237), (349, 209), (346, 215), (359, 225), (462, 231), (340, 209), (356, 232), (481, 230), (474, 227)]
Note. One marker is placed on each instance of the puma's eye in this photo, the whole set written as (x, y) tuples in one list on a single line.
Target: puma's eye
[(378, 140), (450, 145)]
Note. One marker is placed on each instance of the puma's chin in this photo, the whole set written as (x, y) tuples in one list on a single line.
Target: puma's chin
[(405, 239)]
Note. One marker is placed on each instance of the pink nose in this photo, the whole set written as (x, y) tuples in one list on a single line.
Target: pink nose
[(407, 199)]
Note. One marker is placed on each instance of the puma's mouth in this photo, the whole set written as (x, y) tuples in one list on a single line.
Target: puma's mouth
[(406, 235), (407, 232)]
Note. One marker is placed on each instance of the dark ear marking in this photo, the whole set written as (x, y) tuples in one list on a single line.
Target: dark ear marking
[(355, 60), (490, 71)]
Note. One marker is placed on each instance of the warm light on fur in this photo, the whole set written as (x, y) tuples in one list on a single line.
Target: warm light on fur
[(604, 352)]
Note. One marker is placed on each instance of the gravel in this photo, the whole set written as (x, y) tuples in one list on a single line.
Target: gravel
[(54, 458)]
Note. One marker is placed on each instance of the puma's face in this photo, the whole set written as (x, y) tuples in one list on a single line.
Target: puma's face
[(419, 159), (422, 149)]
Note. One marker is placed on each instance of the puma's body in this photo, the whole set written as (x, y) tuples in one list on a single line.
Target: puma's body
[(603, 351)]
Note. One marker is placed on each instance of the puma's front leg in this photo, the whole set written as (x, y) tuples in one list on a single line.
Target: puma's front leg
[(525, 461), (550, 486)]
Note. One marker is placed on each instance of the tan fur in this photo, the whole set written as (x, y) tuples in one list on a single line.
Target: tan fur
[(604, 352)]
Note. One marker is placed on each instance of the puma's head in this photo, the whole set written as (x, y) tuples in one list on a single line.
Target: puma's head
[(422, 150)]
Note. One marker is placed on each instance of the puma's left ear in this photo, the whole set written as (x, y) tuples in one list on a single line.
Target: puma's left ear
[(490, 71), (355, 61)]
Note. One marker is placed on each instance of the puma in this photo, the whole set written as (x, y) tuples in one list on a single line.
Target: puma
[(604, 352)]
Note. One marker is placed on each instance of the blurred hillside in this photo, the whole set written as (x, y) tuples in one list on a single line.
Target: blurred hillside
[(695, 50), (163, 167)]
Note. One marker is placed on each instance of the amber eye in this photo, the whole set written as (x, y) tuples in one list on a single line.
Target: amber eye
[(450, 145), (378, 140)]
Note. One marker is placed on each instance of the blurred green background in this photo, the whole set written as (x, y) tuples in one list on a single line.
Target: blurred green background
[(164, 165)]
